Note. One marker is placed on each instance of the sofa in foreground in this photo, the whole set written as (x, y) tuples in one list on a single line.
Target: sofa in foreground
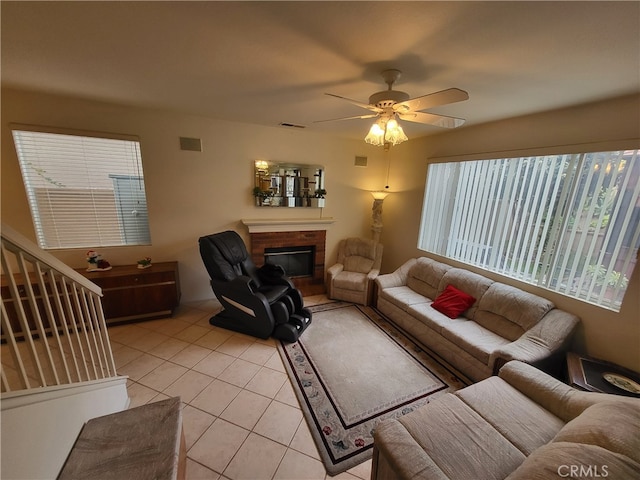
[(520, 425), (472, 322)]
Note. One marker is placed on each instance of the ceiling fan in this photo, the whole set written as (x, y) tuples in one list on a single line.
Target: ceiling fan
[(389, 104)]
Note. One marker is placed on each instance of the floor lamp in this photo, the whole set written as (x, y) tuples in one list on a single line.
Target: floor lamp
[(376, 214)]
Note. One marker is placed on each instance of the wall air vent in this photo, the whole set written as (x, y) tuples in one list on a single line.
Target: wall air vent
[(291, 125), (191, 144), (361, 162)]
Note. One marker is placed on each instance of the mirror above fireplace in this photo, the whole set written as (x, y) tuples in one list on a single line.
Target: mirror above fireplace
[(281, 184)]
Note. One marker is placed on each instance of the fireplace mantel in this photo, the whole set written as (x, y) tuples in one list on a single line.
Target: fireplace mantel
[(267, 225)]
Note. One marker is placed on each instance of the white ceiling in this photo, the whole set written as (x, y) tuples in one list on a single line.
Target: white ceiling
[(272, 62)]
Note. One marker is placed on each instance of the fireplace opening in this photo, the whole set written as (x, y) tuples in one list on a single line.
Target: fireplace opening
[(296, 261)]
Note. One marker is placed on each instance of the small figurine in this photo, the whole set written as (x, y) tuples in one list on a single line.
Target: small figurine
[(95, 263), (144, 263)]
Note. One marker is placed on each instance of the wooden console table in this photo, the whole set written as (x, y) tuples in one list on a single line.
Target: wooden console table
[(131, 293)]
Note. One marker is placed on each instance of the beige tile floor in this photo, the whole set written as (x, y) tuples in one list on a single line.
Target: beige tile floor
[(241, 418)]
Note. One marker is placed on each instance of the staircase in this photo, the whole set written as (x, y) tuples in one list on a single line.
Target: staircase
[(57, 370)]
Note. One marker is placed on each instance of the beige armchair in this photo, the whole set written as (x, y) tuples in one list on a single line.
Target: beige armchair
[(352, 278)]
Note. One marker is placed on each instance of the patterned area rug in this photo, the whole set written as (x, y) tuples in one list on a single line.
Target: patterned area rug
[(352, 369)]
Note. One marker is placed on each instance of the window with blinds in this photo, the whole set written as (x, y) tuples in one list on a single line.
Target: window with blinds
[(83, 191), (569, 223)]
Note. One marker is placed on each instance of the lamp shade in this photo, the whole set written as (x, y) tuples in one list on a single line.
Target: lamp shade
[(385, 131), (394, 133), (375, 135), (379, 194)]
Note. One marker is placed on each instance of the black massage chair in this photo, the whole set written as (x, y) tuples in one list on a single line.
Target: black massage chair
[(261, 302)]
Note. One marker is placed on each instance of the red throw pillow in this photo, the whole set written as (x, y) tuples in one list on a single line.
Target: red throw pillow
[(452, 302)]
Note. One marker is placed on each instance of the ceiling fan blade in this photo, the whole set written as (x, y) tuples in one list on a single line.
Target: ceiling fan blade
[(443, 97), (371, 115), (432, 119), (373, 108)]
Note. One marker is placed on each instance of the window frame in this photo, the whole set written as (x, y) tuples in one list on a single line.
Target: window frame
[(78, 185), (480, 209)]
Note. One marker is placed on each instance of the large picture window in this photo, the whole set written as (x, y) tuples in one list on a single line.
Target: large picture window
[(83, 191), (569, 223)]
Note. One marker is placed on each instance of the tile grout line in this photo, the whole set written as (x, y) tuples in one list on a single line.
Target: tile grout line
[(262, 366)]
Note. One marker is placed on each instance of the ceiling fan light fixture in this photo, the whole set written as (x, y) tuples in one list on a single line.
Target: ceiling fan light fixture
[(394, 133), (391, 103), (376, 135), (385, 132)]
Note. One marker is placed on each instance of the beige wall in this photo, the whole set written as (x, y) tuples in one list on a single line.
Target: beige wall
[(193, 194), (611, 124)]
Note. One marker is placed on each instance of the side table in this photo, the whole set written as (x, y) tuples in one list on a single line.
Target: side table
[(586, 373)]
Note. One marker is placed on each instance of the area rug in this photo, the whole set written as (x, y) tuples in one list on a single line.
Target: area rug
[(352, 369)]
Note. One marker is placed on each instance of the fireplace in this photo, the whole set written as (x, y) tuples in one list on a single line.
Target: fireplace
[(292, 236), (296, 261)]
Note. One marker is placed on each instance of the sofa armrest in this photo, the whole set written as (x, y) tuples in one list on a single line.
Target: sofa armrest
[(372, 275), (397, 278), (334, 270), (398, 456), (559, 398), (548, 338)]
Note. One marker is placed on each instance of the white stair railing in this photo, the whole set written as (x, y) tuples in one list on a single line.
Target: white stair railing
[(52, 322)]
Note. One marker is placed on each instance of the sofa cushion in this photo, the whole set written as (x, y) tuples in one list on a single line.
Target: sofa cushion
[(350, 281), (469, 282), (473, 338), (356, 263), (594, 427), (460, 441), (522, 421), (509, 311), (402, 297), (425, 275), (429, 316), (362, 247), (403, 456), (575, 461), (359, 254)]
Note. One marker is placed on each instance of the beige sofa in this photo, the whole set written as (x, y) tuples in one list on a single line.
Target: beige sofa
[(504, 323), (522, 425)]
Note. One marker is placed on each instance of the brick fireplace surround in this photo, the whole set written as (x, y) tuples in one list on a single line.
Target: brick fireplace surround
[(313, 285), (292, 234)]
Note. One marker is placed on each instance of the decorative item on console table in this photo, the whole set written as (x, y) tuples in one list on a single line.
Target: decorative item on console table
[(144, 263), (595, 375), (95, 262), (132, 294)]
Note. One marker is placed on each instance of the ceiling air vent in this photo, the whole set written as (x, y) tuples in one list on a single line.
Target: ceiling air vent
[(291, 125)]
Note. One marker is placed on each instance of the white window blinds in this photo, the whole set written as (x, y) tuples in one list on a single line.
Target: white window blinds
[(569, 223), (83, 191)]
